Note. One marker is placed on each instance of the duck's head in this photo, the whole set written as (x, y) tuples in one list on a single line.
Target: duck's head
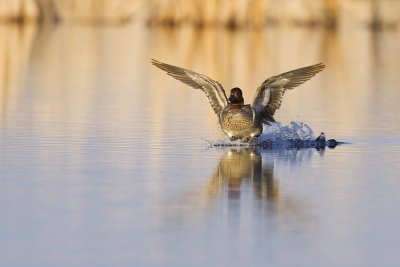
[(236, 97)]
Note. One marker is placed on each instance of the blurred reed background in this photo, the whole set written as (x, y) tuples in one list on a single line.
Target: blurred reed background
[(227, 13)]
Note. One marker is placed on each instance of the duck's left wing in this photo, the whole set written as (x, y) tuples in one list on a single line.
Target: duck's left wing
[(269, 95), (213, 89)]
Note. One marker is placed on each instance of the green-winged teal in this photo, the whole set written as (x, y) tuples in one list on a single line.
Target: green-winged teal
[(237, 120)]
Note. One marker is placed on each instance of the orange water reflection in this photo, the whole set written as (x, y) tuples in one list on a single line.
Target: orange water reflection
[(83, 66)]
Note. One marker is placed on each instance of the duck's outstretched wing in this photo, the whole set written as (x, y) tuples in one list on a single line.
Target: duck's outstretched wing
[(269, 95), (213, 89)]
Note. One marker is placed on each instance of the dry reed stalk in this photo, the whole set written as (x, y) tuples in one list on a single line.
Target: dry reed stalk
[(97, 11), (87, 11), (258, 13), (199, 13), (18, 11)]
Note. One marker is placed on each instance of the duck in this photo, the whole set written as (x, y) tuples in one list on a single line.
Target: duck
[(237, 120)]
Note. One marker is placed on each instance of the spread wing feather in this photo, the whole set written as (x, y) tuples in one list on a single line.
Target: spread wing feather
[(269, 95), (213, 89)]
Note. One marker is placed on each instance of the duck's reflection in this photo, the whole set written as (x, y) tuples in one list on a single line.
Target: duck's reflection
[(243, 170), (245, 178), (247, 187)]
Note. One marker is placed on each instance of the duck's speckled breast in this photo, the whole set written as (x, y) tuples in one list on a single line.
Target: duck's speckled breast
[(239, 122), (238, 119)]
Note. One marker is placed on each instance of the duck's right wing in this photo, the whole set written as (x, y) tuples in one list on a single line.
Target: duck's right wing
[(213, 89), (269, 95)]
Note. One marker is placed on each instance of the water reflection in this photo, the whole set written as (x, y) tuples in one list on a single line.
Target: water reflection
[(243, 169), (342, 95), (15, 49), (245, 183), (249, 173), (71, 70)]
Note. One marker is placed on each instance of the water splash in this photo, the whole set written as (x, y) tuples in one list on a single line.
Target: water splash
[(277, 135), (295, 135), (294, 131)]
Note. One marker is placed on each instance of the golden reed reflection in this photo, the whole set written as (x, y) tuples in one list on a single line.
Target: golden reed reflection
[(74, 61), (15, 49)]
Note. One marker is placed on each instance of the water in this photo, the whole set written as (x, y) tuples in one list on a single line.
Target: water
[(103, 160)]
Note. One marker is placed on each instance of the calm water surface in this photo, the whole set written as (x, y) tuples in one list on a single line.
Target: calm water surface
[(103, 162)]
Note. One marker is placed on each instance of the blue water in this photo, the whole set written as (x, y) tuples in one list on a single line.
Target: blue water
[(104, 162)]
